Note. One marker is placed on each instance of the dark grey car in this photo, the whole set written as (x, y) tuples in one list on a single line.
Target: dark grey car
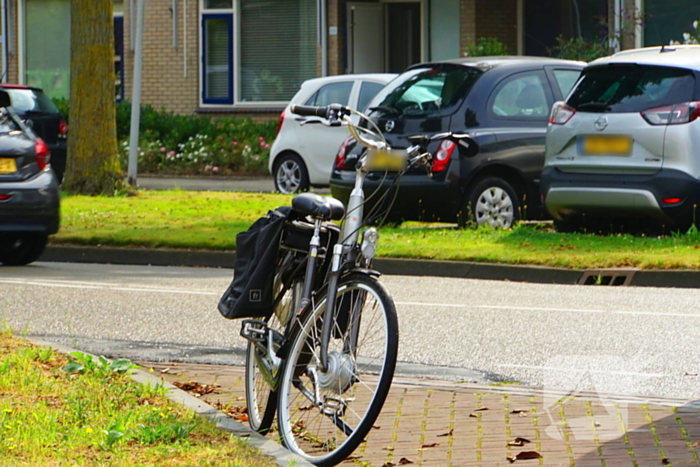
[(29, 194), (503, 103)]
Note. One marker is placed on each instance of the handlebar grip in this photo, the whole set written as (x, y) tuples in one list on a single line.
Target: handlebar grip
[(310, 111)]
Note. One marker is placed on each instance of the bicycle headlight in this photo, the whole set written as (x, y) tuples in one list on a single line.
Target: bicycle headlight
[(370, 238)]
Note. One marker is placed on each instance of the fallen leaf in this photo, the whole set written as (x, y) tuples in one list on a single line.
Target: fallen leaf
[(388, 448), (518, 442), (165, 370), (481, 409), (195, 388), (376, 427), (696, 444), (689, 374), (520, 413), (388, 464), (431, 445), (473, 415), (449, 433), (524, 455), (665, 461), (405, 460)]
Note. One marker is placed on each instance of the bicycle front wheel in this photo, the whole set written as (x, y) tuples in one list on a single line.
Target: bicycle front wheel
[(324, 415)]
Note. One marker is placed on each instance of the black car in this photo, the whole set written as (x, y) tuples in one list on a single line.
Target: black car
[(42, 115), (29, 194), (503, 103)]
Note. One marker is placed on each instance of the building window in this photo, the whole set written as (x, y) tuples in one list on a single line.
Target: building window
[(119, 57), (47, 46), (217, 58), (276, 44)]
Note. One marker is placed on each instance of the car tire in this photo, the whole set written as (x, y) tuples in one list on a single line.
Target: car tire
[(492, 201), (18, 249), (290, 174)]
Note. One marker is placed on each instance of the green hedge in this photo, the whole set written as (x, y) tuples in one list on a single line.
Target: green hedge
[(193, 144)]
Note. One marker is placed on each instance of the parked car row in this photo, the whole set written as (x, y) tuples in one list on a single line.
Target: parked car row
[(620, 136)]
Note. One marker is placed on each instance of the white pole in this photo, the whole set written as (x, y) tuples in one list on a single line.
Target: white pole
[(136, 98)]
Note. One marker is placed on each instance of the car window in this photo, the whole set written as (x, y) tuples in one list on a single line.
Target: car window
[(424, 91), (332, 93), (28, 100), (631, 88), (367, 91), (566, 80), (521, 96)]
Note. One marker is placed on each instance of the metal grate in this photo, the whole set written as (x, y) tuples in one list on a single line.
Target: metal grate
[(607, 277)]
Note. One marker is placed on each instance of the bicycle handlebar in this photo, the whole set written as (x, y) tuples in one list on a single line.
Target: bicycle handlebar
[(330, 112)]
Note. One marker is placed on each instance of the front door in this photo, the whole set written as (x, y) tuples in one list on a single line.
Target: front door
[(383, 37)]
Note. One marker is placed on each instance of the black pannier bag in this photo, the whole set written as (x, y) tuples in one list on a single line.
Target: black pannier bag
[(250, 294)]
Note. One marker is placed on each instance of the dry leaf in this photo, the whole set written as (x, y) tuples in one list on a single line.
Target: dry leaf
[(689, 374), (518, 442), (195, 388), (473, 415), (696, 444), (665, 461), (388, 448), (520, 413), (165, 370), (432, 445), (449, 433), (405, 460), (388, 464), (481, 409), (524, 455)]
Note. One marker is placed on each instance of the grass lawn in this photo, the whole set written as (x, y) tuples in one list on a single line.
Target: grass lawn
[(58, 412), (211, 220)]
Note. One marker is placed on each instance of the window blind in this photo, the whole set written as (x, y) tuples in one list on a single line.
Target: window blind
[(278, 48), (217, 60)]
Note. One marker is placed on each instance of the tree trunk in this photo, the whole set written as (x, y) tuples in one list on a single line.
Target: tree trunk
[(93, 163)]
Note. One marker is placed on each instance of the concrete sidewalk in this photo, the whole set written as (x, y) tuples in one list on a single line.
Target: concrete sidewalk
[(440, 423)]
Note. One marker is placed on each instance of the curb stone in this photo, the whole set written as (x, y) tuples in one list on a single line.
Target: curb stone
[(283, 457), (390, 266)]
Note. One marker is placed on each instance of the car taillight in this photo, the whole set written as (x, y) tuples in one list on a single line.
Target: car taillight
[(62, 129), (672, 114), (43, 155), (561, 113), (279, 125), (443, 155), (342, 153)]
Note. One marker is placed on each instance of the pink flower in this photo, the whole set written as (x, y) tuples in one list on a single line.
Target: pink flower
[(260, 138), (162, 149), (207, 167), (170, 154), (215, 169)]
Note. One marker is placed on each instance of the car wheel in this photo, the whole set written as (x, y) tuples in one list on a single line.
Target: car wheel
[(493, 201), (17, 249), (290, 174)]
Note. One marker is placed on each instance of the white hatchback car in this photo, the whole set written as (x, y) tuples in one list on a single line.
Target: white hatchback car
[(302, 154)]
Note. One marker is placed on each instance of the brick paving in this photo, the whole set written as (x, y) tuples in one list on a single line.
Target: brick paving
[(442, 423)]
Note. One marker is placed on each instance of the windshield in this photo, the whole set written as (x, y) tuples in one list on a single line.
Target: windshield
[(631, 88), (29, 100), (424, 91)]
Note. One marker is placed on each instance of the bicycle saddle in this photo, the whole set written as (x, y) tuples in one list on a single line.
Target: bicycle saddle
[(310, 204)]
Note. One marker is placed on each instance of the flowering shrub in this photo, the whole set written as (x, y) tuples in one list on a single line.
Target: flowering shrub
[(690, 37), (195, 145)]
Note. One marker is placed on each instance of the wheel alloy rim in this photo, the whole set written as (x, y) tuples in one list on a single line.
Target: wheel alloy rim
[(495, 208), (288, 177)]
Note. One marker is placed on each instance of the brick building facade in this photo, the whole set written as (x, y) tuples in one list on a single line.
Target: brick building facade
[(247, 57)]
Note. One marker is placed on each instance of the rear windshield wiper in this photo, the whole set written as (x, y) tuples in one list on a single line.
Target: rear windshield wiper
[(593, 106), (386, 110)]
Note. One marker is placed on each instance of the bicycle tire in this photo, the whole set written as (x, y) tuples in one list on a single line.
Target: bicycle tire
[(261, 397), (353, 392)]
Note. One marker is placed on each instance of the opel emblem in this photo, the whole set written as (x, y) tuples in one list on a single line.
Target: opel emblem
[(389, 126), (601, 124)]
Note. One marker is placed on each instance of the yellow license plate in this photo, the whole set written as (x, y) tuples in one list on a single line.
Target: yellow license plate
[(393, 161), (607, 145), (7, 166)]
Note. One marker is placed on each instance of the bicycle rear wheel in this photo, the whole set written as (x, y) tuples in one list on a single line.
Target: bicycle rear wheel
[(324, 415), (261, 383)]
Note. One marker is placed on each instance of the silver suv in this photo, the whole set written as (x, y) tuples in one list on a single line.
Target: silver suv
[(625, 145)]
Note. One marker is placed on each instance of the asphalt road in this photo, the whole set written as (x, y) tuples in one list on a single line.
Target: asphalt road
[(623, 340)]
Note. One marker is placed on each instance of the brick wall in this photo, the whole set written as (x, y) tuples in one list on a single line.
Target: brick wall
[(13, 48), (467, 21), (498, 18)]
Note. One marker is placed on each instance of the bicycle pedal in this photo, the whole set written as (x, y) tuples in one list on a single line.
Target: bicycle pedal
[(254, 330)]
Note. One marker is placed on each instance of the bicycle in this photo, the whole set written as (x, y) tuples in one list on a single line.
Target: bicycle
[(324, 359)]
